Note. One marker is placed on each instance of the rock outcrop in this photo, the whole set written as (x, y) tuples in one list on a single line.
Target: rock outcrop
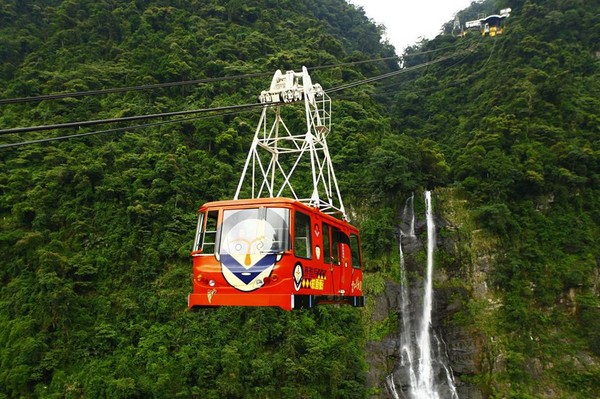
[(462, 262)]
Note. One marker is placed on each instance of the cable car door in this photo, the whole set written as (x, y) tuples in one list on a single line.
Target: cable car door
[(345, 263)]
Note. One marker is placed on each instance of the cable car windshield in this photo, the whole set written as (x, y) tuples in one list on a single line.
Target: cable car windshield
[(247, 233)]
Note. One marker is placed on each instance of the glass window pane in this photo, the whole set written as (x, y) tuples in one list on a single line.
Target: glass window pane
[(326, 244), (199, 231), (210, 232), (335, 245), (302, 244), (279, 220)]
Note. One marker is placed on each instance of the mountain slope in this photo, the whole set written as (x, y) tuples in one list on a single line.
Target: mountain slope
[(517, 121), (96, 232)]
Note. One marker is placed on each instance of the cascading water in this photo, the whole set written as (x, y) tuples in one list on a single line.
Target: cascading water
[(416, 353), (425, 388)]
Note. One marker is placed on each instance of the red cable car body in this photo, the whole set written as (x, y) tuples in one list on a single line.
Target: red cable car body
[(274, 248), (274, 252)]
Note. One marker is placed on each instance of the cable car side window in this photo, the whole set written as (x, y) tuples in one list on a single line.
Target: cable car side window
[(199, 232), (326, 244), (331, 244), (302, 234), (210, 232), (279, 219), (355, 251), (335, 246)]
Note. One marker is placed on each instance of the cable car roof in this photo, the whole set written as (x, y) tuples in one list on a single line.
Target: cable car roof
[(275, 201)]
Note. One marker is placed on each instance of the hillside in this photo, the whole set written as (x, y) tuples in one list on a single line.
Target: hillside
[(96, 231), (517, 123)]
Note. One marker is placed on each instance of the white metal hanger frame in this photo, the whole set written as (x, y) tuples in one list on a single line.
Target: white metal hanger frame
[(276, 152)]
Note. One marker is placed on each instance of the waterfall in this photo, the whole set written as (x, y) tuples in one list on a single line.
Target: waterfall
[(406, 353), (411, 230), (391, 386), (425, 385), (417, 356)]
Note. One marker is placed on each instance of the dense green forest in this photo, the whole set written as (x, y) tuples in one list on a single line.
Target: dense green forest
[(518, 123), (96, 231)]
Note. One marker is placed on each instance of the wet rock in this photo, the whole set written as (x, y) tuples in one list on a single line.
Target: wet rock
[(457, 348)]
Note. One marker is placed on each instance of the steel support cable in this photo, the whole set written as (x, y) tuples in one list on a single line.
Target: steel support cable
[(350, 63), (454, 83), (385, 76), (124, 119), (400, 71), (75, 94), (178, 113), (116, 130), (57, 96), (395, 57)]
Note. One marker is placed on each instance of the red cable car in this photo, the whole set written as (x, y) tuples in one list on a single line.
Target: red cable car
[(274, 252), (274, 248)]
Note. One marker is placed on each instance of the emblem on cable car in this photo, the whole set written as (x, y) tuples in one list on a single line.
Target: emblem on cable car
[(210, 294), (298, 276), (249, 248)]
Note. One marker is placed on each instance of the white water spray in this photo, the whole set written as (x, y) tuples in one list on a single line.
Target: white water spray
[(391, 386), (419, 349), (406, 352), (425, 384)]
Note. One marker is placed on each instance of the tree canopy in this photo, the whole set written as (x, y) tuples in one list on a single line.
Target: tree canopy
[(96, 231)]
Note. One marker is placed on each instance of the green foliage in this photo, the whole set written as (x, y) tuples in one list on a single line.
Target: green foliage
[(374, 284), (95, 232), (496, 218), (516, 120), (380, 330), (589, 317), (377, 234)]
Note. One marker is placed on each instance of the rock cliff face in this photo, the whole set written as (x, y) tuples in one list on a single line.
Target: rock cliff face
[(463, 259)]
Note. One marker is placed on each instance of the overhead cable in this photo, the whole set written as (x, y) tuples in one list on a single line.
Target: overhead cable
[(126, 89), (75, 94), (118, 129), (80, 124), (123, 119), (385, 75)]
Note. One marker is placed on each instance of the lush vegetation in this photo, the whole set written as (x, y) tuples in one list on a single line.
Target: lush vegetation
[(517, 120), (95, 232)]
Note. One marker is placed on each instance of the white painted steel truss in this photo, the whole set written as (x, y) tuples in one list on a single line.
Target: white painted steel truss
[(277, 160)]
